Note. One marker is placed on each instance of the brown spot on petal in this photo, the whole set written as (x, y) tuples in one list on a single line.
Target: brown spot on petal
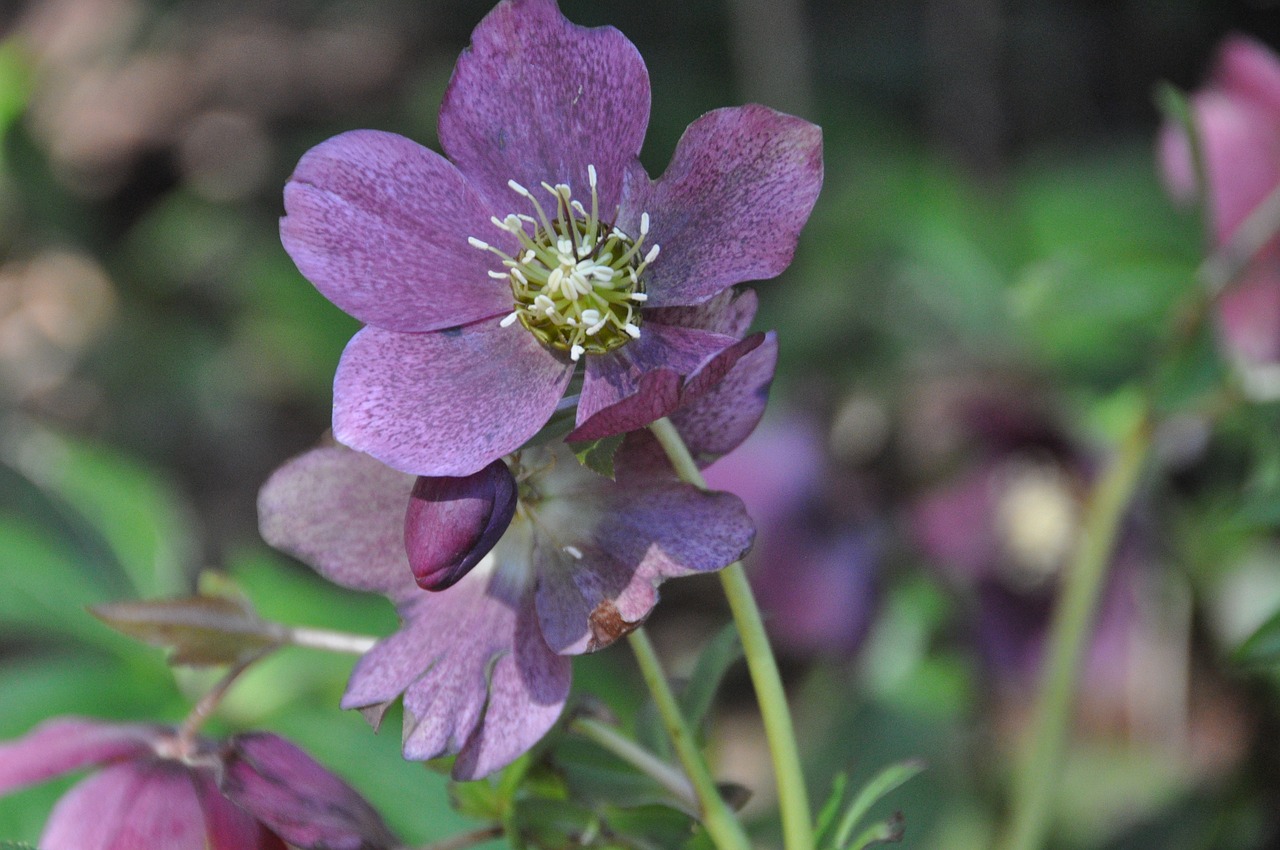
[(607, 625)]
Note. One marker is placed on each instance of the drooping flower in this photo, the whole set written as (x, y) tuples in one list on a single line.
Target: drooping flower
[(154, 789), (484, 279), (1237, 121)]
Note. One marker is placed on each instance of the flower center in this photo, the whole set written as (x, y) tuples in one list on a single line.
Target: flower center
[(577, 281)]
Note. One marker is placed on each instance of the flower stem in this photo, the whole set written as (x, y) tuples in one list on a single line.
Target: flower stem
[(720, 822), (208, 703), (793, 797), (1037, 773), (329, 640), (638, 757)]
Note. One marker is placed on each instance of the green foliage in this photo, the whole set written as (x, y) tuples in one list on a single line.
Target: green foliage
[(199, 630), (597, 455), (835, 835)]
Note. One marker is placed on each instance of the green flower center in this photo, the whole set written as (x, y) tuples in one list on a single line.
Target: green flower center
[(577, 281)]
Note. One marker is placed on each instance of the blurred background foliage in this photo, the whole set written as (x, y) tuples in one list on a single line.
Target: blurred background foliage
[(989, 277)]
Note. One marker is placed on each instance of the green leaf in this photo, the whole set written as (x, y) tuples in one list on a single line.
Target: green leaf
[(881, 784), (886, 832), (717, 657), (597, 455), (1262, 648), (199, 630), (17, 845), (827, 816)]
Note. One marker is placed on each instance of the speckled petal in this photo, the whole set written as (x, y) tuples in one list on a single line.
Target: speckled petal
[(60, 746), (379, 225), (536, 98), (129, 806), (729, 312), (730, 206), (719, 420), (298, 798), (452, 523), (632, 535), (310, 506), (640, 382), (445, 403)]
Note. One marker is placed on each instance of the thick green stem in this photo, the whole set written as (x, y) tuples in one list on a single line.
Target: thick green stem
[(720, 822), (1037, 772), (793, 797)]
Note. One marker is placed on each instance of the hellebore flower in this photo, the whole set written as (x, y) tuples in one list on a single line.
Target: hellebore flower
[(540, 242), (1237, 119), (154, 790), (481, 664)]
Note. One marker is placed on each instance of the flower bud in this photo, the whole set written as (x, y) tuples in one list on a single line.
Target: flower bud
[(452, 523)]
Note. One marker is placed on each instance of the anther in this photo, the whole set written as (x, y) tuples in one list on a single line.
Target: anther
[(477, 243)]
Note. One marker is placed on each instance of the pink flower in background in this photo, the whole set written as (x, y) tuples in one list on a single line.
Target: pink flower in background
[(1237, 119), (538, 244), (153, 790)]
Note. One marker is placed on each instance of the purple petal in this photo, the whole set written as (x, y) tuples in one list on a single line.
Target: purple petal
[(639, 383), (631, 534), (298, 798), (441, 661), (731, 204), (452, 523), (448, 402), (729, 312), (379, 225), (229, 826), (719, 420), (67, 744), (536, 98), (1248, 68), (127, 807), (1249, 314), (310, 506)]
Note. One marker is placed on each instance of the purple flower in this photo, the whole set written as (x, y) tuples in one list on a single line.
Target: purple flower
[(481, 665), (1237, 118), (485, 278), (153, 789)]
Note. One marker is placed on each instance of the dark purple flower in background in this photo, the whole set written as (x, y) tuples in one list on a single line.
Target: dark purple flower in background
[(153, 789), (1237, 119), (539, 243)]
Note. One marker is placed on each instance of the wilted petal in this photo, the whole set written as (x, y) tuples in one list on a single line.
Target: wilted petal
[(298, 798), (66, 744), (313, 506), (730, 206), (452, 523), (630, 536), (640, 382), (445, 403), (536, 98), (128, 807), (379, 225)]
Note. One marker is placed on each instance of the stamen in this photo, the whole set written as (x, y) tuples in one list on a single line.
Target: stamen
[(574, 552), (509, 319)]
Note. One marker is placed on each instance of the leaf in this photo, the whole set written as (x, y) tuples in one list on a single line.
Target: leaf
[(886, 832), (716, 658), (200, 630), (1262, 648), (881, 784), (827, 816), (597, 455), (17, 845)]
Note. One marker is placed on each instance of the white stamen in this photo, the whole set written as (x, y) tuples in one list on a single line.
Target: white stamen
[(498, 275), (574, 552), (477, 243), (632, 330), (644, 224), (591, 175), (590, 316), (518, 189), (563, 190), (652, 255), (638, 296), (575, 353), (509, 319)]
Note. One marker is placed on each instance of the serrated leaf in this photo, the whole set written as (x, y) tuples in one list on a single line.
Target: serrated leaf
[(881, 784), (198, 630), (597, 455), (720, 653), (1262, 648)]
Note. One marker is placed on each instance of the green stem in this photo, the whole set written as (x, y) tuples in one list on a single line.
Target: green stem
[(641, 759), (720, 822), (1037, 773), (467, 839), (793, 797)]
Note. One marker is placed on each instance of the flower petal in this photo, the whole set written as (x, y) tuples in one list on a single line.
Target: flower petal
[(452, 523), (299, 798), (1248, 68), (631, 535), (126, 807), (640, 382), (310, 505), (719, 420), (536, 98), (445, 403), (478, 679), (730, 206), (379, 225), (67, 744), (1249, 315), (230, 827), (729, 312)]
